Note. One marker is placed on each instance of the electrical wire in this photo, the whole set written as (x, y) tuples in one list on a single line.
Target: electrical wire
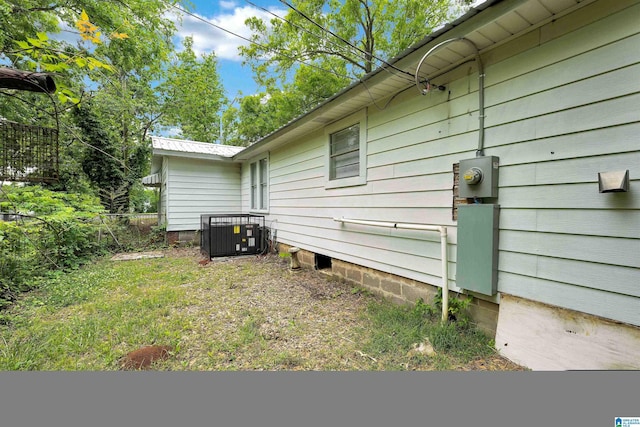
[(406, 73), (386, 104), (334, 44), (260, 45), (411, 78)]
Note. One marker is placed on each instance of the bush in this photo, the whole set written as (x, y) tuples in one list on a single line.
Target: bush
[(47, 230)]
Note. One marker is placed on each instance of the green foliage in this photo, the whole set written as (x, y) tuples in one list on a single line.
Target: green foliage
[(193, 95), (56, 231), (262, 113), (144, 200), (15, 270), (91, 311), (379, 28), (111, 170), (458, 308), (110, 33), (120, 50), (402, 327), (397, 326), (100, 164), (131, 235), (87, 318), (459, 341)]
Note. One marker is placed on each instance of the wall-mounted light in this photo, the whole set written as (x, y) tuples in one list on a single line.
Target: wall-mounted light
[(613, 182)]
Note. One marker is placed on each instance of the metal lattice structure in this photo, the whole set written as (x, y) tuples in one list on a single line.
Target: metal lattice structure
[(28, 153)]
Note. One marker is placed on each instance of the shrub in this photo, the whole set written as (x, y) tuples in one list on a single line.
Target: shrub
[(47, 230)]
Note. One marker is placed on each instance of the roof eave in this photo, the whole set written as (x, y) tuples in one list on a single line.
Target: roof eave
[(191, 155), (263, 144)]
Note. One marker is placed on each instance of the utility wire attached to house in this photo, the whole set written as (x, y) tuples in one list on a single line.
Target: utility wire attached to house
[(409, 77), (366, 54), (338, 47)]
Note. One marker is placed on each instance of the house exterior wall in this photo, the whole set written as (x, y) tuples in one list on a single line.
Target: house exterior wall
[(558, 114), (199, 187), (561, 105), (164, 189)]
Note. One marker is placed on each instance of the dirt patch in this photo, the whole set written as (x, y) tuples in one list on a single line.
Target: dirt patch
[(254, 313), (144, 357)]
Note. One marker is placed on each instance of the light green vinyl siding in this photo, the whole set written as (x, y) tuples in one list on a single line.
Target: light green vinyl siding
[(562, 104)]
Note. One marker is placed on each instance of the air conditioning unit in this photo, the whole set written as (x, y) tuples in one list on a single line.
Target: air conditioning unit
[(231, 234)]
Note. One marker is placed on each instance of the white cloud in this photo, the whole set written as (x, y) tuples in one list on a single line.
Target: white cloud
[(207, 38), (227, 4)]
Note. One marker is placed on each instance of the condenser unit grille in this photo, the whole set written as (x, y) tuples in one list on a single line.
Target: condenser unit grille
[(230, 235)]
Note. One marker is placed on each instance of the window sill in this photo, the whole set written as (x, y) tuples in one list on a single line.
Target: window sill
[(345, 182)]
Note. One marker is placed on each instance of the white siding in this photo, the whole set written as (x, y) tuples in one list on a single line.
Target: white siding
[(200, 187), (164, 189), (562, 104)]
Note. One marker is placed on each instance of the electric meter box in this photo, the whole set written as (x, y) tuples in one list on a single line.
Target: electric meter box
[(479, 177), (477, 246)]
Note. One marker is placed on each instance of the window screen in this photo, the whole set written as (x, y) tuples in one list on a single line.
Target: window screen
[(345, 153)]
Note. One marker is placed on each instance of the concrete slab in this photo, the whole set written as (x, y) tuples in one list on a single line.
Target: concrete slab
[(137, 255)]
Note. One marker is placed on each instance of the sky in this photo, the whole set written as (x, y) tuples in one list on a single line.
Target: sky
[(230, 15)]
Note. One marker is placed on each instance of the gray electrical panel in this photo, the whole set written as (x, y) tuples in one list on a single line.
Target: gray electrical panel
[(479, 177), (477, 248)]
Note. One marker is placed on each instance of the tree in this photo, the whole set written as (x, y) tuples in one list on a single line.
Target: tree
[(262, 113), (354, 31), (105, 171), (193, 95), (322, 45), (30, 37), (122, 47)]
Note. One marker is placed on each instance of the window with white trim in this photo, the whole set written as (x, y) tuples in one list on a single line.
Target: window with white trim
[(346, 160), (259, 171), (344, 155)]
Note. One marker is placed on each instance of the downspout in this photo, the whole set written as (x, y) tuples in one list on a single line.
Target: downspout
[(480, 150), (443, 250)]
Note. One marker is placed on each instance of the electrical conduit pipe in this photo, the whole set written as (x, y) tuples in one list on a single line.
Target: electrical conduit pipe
[(443, 250), (480, 150)]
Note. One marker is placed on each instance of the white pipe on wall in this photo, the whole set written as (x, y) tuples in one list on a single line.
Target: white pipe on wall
[(443, 250)]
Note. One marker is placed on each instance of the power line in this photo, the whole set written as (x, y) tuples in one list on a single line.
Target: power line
[(346, 41), (297, 60), (258, 44), (300, 27)]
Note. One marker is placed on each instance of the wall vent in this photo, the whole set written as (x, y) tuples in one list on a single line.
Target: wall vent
[(322, 262)]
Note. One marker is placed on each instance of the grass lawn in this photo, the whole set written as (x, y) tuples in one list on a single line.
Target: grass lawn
[(244, 313)]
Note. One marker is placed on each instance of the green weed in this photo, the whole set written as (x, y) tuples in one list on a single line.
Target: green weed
[(395, 330)]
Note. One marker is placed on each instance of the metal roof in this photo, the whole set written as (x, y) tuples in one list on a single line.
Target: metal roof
[(153, 180), (488, 25), (193, 149)]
